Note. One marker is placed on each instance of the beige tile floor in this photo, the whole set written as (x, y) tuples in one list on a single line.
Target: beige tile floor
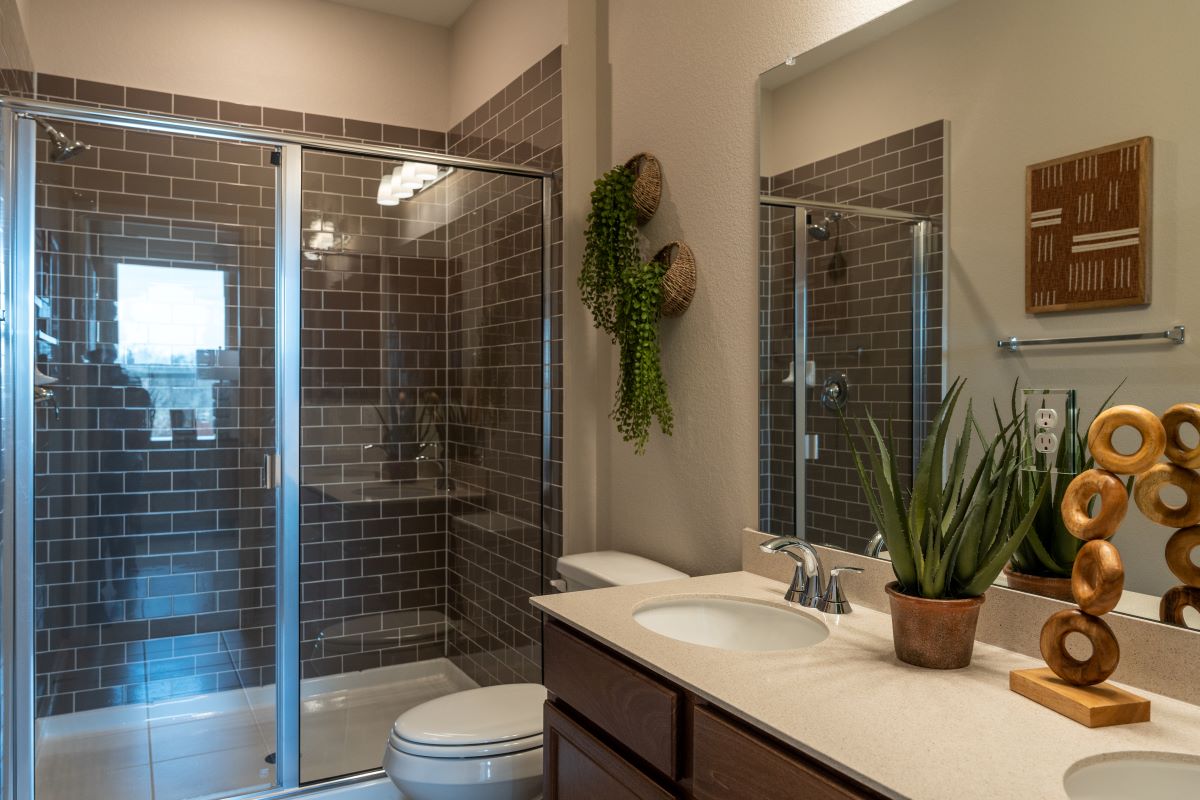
[(207, 748)]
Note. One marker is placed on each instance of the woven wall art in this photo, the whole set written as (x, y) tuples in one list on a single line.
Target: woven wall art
[(1087, 229)]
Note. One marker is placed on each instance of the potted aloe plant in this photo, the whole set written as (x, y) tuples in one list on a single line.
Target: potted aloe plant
[(951, 536), (1044, 561)]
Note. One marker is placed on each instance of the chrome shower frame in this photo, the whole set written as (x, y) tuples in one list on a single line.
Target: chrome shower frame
[(18, 135), (921, 231)]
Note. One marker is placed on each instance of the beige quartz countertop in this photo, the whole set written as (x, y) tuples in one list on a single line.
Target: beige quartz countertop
[(908, 732)]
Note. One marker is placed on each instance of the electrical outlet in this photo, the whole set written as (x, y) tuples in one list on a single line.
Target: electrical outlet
[(1045, 442), (1047, 418)]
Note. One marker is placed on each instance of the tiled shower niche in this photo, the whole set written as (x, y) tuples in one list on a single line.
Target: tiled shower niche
[(860, 324)]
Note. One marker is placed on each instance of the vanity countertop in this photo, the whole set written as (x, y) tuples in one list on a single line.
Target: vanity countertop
[(847, 701)]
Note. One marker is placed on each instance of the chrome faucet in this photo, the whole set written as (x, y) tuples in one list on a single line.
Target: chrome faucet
[(806, 587)]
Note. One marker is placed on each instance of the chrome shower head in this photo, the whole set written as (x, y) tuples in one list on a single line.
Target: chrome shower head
[(64, 147), (821, 231)]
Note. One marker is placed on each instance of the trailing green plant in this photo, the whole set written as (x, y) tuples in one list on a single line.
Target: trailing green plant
[(624, 295), (641, 388), (1050, 549), (950, 537), (610, 246)]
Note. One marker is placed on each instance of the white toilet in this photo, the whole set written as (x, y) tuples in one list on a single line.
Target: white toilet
[(486, 744)]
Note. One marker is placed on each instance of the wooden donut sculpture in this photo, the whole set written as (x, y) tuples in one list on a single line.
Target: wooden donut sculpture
[(1177, 598), (1105, 650), (1179, 560), (1148, 426), (1113, 504), (1098, 578), (1179, 555), (1148, 486), (1173, 419)]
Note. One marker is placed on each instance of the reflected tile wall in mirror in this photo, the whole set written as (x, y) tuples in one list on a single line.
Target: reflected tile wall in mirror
[(860, 323)]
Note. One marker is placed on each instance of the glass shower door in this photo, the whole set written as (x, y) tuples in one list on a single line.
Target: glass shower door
[(154, 509)]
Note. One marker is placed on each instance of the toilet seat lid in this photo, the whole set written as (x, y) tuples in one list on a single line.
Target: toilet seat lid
[(476, 716)]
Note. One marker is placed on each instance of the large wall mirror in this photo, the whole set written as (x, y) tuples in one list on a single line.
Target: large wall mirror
[(894, 223)]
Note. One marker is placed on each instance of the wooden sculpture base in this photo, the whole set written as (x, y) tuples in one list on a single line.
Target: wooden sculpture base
[(1094, 706)]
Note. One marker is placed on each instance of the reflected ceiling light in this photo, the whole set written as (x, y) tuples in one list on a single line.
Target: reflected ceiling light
[(407, 180), (385, 196), (405, 177), (426, 172)]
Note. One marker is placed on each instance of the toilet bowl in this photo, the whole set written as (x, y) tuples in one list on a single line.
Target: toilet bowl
[(486, 744), (479, 744)]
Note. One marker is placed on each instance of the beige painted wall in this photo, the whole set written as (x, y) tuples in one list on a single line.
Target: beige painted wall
[(684, 86), (496, 40), (990, 69), (305, 55), (586, 146)]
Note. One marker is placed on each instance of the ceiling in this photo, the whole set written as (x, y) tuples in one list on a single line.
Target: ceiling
[(435, 12)]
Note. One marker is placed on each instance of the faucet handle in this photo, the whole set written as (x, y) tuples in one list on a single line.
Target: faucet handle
[(834, 601)]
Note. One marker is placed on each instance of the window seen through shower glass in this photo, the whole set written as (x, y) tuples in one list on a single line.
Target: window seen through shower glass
[(170, 331), (154, 533)]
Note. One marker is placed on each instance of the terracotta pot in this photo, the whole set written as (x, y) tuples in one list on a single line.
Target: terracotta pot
[(937, 634), (1054, 588)]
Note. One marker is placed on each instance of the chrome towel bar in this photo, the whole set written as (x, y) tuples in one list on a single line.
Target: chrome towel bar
[(1174, 335)]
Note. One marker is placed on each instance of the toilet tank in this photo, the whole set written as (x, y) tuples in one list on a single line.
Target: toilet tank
[(611, 568)]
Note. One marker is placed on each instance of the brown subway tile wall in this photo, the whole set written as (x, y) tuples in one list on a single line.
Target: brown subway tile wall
[(859, 324), (78, 90), (503, 544), (372, 453), (154, 537)]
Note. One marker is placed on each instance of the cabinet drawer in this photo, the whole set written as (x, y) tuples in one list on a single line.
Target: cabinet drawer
[(633, 708), (730, 761), (578, 766)]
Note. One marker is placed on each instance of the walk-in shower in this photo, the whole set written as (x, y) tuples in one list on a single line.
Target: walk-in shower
[(290, 443)]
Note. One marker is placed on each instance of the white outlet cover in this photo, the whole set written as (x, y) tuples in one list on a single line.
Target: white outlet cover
[(1045, 442), (1047, 418)]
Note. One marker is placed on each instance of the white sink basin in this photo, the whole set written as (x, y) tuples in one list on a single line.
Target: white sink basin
[(730, 623), (1144, 775)]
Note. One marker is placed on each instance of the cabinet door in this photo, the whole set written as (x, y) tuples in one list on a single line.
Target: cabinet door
[(730, 761), (578, 766), (636, 709)]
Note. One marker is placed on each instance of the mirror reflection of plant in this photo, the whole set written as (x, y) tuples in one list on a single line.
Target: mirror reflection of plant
[(951, 537), (430, 422), (1050, 549), (624, 295), (391, 423)]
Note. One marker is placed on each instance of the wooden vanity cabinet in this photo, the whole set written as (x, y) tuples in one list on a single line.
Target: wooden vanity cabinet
[(616, 731)]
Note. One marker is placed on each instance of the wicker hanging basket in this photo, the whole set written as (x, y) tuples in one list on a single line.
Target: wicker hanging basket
[(679, 282), (647, 189)]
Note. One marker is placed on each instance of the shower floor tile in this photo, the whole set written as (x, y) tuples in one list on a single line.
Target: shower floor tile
[(215, 746)]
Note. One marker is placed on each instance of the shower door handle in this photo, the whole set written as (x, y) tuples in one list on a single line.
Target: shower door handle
[(271, 476), (812, 446)]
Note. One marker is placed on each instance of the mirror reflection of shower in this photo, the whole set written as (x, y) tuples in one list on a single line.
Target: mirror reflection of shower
[(831, 225), (63, 146)]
